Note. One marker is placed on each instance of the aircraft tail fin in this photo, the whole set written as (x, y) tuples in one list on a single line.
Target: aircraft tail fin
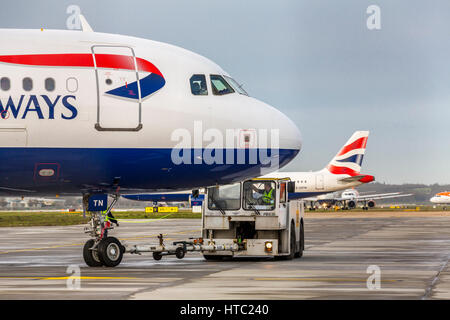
[(349, 159)]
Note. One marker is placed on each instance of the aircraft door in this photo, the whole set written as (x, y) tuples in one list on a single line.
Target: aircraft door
[(118, 89), (319, 182)]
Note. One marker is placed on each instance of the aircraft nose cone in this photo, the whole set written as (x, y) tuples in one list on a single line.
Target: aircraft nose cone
[(290, 138), (276, 132), (290, 135)]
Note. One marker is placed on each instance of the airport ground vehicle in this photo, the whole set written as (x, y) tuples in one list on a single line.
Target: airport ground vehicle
[(239, 214), (253, 218)]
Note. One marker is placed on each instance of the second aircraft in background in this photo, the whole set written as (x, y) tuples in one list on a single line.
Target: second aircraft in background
[(350, 198), (341, 173), (441, 198)]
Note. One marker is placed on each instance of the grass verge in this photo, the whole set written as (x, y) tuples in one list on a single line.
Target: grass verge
[(29, 219)]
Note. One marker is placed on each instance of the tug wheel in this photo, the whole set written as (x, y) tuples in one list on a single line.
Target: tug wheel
[(91, 256), (157, 256), (179, 253), (299, 254), (292, 244), (110, 251)]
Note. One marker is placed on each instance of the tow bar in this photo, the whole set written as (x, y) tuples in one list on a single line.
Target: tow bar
[(179, 248)]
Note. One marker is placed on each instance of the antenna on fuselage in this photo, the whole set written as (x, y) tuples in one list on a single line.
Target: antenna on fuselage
[(85, 27)]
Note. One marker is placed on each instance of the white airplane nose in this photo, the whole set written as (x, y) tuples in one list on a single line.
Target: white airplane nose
[(290, 137), (279, 126)]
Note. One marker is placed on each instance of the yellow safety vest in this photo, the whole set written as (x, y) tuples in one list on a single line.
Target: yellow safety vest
[(267, 196)]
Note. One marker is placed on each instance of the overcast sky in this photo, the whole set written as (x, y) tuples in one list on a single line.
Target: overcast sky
[(314, 60)]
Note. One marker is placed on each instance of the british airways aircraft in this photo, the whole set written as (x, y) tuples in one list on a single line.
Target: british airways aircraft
[(87, 113)]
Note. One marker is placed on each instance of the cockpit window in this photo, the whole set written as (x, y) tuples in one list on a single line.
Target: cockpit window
[(236, 85), (220, 86), (198, 85)]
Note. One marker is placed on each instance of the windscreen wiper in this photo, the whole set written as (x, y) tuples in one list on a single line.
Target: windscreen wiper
[(218, 206), (254, 209)]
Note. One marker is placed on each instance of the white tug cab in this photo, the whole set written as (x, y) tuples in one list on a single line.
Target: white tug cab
[(255, 218)]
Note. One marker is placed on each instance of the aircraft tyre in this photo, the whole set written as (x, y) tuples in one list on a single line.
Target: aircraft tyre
[(91, 257), (110, 251)]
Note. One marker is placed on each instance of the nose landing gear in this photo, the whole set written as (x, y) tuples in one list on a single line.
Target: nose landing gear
[(102, 250)]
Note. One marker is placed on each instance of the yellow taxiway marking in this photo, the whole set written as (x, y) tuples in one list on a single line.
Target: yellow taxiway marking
[(140, 220), (319, 279), (129, 221), (72, 277), (89, 278), (145, 220), (80, 244)]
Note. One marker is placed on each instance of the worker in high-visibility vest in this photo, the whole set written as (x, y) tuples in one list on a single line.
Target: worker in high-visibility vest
[(110, 217), (267, 195)]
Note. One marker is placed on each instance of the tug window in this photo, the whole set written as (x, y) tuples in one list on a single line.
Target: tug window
[(220, 86), (226, 197), (5, 84), (50, 84), (27, 84), (198, 85), (259, 195)]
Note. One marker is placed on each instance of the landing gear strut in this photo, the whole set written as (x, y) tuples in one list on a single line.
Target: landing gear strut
[(102, 250)]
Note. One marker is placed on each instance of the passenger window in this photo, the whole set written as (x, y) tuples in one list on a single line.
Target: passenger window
[(49, 84), (5, 84), (198, 85), (220, 86), (27, 84), (72, 84)]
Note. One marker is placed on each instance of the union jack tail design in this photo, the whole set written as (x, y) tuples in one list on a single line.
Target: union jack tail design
[(349, 159)]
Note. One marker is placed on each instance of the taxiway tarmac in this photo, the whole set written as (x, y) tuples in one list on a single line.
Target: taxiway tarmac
[(411, 252)]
